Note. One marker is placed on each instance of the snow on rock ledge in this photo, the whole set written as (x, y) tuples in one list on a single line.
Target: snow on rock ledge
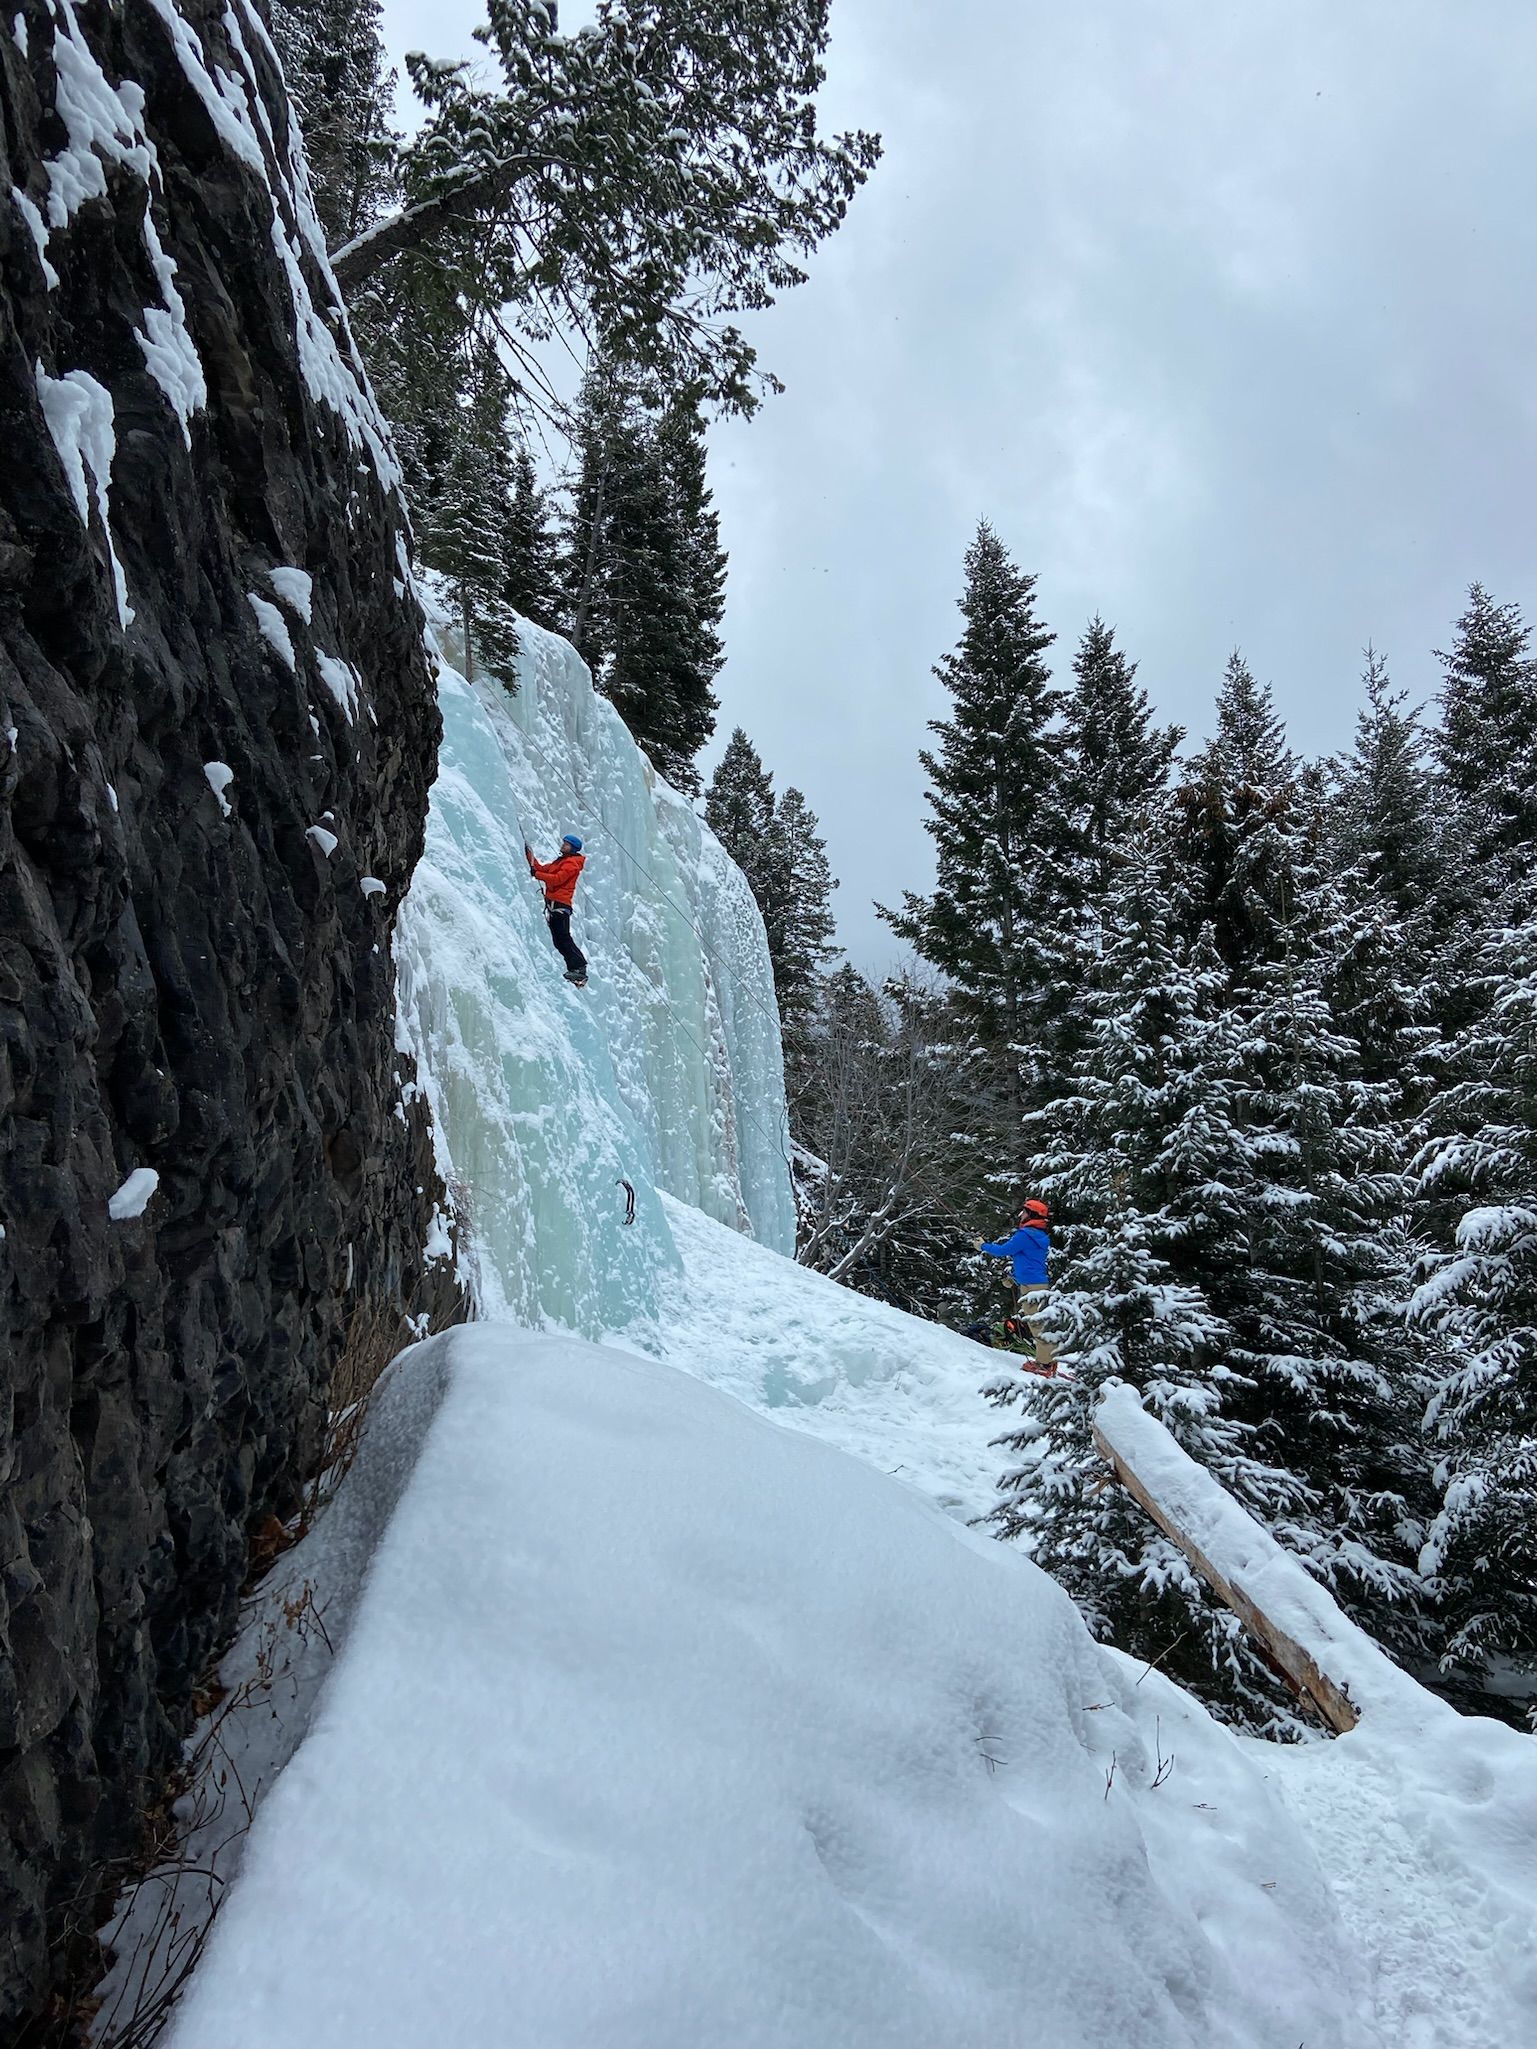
[(665, 1071), (654, 1724)]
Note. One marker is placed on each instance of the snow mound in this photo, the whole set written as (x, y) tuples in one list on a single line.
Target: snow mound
[(655, 1724), (665, 1071)]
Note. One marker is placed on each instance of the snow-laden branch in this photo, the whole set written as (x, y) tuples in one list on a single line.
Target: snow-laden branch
[(355, 262)]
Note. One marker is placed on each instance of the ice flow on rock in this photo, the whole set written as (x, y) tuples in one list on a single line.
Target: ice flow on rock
[(665, 1071)]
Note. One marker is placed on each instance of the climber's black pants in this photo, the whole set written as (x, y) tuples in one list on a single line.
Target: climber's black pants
[(559, 916)]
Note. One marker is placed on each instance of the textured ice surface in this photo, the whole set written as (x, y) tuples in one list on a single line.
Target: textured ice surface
[(665, 1071)]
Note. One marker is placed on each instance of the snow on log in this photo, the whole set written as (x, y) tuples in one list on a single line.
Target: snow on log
[(1296, 1620)]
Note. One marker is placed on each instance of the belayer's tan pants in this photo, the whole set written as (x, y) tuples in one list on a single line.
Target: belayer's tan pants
[(1029, 1304)]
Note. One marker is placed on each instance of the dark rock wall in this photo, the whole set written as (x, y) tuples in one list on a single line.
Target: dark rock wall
[(208, 997)]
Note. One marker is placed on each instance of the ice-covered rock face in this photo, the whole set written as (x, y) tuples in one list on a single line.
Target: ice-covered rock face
[(665, 1071)]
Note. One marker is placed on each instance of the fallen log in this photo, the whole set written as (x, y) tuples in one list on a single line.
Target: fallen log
[(1152, 1469)]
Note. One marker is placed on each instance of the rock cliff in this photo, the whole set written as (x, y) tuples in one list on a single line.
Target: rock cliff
[(216, 737)]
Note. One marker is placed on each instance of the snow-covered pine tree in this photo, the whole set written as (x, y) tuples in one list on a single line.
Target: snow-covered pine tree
[(1487, 740), (1116, 764), (784, 857), (1116, 757), (641, 181), (333, 60), (1389, 812), (1402, 898), (739, 810), (464, 527), (1237, 801), (1310, 1283), (803, 944), (993, 923), (530, 576), (1481, 1300), (681, 446), (1148, 1171), (641, 577)]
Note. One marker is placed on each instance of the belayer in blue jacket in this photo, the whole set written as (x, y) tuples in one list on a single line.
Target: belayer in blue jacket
[(1026, 1250)]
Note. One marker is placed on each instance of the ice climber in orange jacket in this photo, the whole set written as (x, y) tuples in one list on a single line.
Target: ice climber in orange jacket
[(559, 878)]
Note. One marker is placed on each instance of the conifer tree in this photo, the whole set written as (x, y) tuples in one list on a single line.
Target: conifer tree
[(803, 944), (1117, 760), (784, 857), (641, 181), (1327, 1373), (1480, 1299), (642, 572), (1487, 742), (530, 570), (1146, 1166), (333, 61), (1388, 808), (739, 810), (1401, 937), (465, 526), (997, 822), (1238, 798), (681, 446)]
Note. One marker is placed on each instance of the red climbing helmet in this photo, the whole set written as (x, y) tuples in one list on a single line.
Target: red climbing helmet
[(1036, 1211)]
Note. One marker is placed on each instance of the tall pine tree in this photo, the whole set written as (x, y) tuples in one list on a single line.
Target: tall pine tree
[(1487, 740), (334, 63), (530, 566), (1117, 759), (784, 857), (643, 572), (803, 945), (1311, 1284), (993, 922), (1145, 1163), (739, 810), (1481, 1299), (465, 526)]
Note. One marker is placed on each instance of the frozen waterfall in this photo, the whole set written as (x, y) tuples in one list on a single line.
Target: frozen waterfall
[(665, 1071)]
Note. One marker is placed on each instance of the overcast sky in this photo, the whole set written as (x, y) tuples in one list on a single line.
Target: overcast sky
[(1223, 312)]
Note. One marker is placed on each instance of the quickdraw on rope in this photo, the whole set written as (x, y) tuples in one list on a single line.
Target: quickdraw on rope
[(629, 1200)]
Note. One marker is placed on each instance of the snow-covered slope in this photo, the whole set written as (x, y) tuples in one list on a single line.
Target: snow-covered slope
[(657, 1727), (1425, 1821), (665, 1071), (900, 1394)]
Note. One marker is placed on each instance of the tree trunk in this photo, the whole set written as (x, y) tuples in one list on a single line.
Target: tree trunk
[(355, 262)]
